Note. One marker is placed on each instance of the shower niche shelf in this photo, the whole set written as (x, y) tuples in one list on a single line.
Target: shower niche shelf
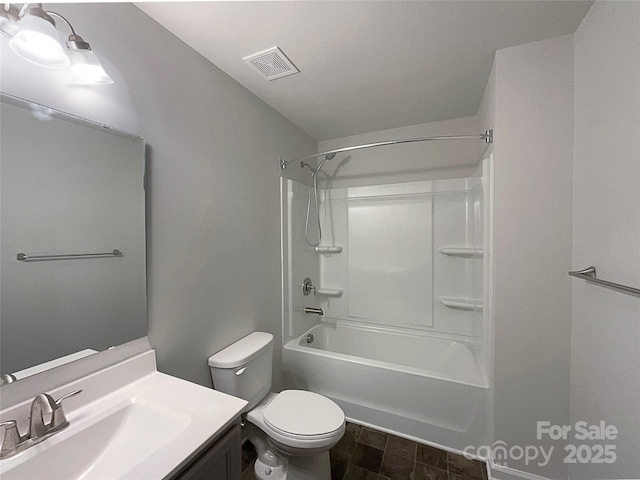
[(328, 250), (329, 292), (461, 303), (462, 251)]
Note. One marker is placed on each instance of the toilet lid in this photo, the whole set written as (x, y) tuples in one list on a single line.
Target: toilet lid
[(303, 413)]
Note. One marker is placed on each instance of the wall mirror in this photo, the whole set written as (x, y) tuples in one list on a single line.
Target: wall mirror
[(72, 238)]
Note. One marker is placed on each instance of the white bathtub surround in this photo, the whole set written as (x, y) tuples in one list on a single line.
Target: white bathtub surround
[(410, 264), (299, 261), (388, 268), (391, 268)]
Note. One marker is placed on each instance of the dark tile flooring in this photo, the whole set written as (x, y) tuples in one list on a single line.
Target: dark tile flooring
[(367, 454)]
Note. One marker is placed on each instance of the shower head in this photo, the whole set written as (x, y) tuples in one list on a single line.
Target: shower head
[(328, 156)]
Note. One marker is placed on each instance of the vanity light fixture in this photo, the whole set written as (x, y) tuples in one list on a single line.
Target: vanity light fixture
[(37, 41), (85, 67), (9, 19)]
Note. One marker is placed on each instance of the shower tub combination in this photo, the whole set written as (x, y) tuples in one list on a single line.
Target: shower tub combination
[(424, 388), (403, 338)]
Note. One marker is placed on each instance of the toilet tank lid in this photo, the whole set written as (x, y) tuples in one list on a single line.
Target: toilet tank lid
[(243, 351)]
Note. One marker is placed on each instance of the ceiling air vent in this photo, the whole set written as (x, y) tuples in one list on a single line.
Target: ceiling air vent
[(271, 64)]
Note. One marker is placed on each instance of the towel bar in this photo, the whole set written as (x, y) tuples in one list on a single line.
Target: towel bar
[(589, 274), (23, 257)]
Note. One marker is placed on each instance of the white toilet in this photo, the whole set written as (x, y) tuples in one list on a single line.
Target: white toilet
[(295, 428)]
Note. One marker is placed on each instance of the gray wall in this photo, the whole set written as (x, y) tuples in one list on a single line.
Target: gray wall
[(586, 209), (213, 218), (532, 242), (605, 350)]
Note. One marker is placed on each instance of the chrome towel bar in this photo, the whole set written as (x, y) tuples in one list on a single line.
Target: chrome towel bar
[(23, 257), (589, 274)]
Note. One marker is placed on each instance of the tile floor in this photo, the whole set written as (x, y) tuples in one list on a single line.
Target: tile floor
[(367, 454)]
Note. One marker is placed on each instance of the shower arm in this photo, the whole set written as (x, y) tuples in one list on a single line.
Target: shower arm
[(486, 136)]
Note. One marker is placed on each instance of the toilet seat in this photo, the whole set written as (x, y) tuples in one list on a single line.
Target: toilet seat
[(300, 419), (303, 414)]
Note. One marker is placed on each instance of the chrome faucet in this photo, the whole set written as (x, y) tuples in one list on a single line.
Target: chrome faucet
[(39, 430), (313, 311), (43, 403)]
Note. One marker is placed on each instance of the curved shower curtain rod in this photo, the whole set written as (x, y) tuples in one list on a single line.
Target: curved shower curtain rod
[(486, 136)]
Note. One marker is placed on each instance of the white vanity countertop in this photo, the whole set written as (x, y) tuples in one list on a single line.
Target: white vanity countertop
[(145, 428)]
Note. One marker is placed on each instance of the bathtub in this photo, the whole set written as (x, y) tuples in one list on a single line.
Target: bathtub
[(421, 387)]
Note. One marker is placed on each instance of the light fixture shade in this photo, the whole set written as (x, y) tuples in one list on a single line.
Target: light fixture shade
[(37, 41), (8, 22), (86, 69)]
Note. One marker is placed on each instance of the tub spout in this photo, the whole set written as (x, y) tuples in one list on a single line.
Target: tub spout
[(313, 311)]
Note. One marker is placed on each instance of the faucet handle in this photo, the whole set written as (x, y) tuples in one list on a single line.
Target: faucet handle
[(58, 419), (58, 402), (11, 437), (307, 287)]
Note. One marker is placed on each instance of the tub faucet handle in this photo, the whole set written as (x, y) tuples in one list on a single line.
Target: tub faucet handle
[(307, 287)]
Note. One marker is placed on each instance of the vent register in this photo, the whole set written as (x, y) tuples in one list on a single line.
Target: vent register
[(271, 64)]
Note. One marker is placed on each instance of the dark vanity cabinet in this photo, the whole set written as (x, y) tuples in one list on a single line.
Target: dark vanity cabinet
[(219, 460)]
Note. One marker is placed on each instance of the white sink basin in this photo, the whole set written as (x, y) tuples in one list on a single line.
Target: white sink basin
[(144, 430), (107, 447)]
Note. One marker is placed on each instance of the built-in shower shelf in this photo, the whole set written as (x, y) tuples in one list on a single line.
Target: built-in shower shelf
[(329, 292), (461, 303), (329, 249), (462, 251)]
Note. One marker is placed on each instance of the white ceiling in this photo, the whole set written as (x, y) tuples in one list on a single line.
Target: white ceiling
[(366, 66)]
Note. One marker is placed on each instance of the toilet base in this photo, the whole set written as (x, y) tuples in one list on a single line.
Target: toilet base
[(263, 471), (314, 467)]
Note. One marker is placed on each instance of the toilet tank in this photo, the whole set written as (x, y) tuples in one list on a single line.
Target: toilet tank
[(243, 369)]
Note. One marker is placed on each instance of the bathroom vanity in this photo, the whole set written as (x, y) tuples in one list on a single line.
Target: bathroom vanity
[(219, 460), (133, 422)]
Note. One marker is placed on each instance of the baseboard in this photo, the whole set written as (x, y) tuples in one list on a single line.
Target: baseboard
[(497, 472)]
